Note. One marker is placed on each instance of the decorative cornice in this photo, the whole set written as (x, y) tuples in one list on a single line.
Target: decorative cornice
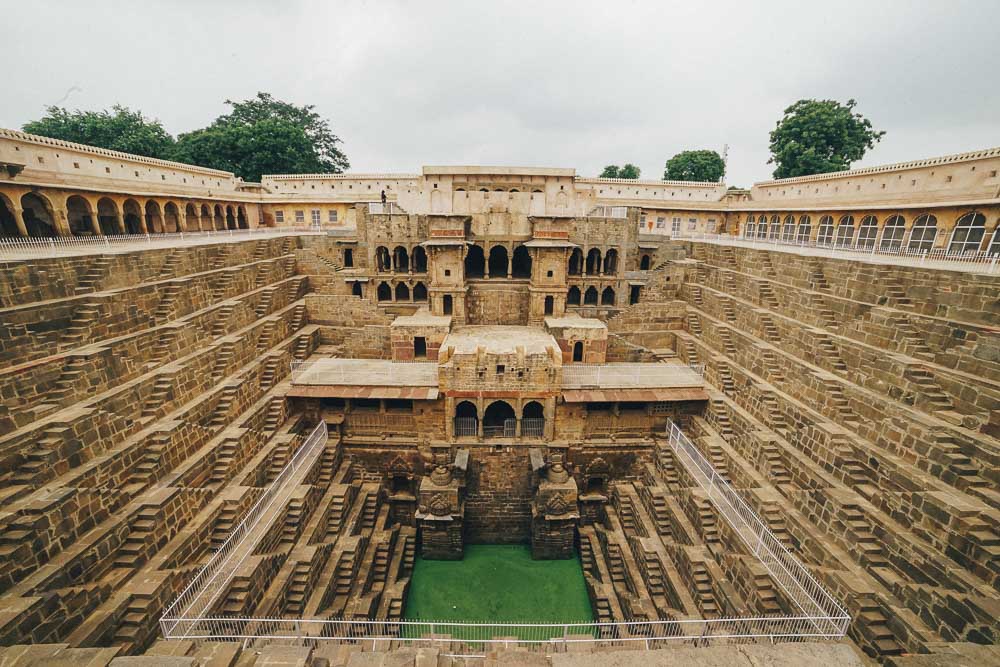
[(346, 176), (104, 152), (898, 166), (631, 181)]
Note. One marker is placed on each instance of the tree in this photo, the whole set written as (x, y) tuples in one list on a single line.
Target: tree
[(263, 135), (702, 165), (119, 129), (629, 170), (820, 136)]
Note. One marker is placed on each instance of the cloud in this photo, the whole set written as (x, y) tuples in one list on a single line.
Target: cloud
[(579, 84)]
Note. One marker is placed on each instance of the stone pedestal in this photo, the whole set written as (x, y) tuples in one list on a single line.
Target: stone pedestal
[(554, 516), (441, 508)]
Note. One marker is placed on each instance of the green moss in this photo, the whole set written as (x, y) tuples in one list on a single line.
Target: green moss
[(498, 583)]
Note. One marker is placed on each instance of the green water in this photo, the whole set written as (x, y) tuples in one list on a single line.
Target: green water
[(498, 583)]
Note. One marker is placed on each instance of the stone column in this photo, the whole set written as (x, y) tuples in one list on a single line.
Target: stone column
[(61, 222)]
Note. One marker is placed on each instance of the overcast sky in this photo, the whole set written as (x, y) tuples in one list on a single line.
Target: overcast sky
[(534, 83)]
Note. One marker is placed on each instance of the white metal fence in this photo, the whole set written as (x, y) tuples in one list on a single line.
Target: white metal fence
[(466, 426), (821, 611), (819, 615), (938, 258), (609, 212), (388, 208), (197, 599), (65, 246)]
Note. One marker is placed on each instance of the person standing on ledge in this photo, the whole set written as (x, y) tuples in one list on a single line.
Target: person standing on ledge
[(383, 198)]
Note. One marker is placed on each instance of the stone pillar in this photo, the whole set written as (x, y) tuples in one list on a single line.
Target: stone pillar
[(441, 507), (95, 224), (554, 513), (60, 219)]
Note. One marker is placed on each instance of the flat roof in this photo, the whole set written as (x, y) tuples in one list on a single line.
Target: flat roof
[(499, 340), (366, 378), (574, 321), (422, 318), (655, 375)]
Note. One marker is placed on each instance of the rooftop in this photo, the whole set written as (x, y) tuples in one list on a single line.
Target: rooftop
[(422, 318), (366, 378), (500, 340)]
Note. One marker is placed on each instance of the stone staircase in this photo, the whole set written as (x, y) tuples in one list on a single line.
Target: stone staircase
[(132, 553), (223, 359), (96, 272), (165, 308)]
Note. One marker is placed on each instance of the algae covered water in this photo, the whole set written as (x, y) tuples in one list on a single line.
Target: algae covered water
[(498, 583)]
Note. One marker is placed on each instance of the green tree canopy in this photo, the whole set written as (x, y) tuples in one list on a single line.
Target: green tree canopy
[(119, 129), (628, 170), (820, 136), (263, 135), (702, 165)]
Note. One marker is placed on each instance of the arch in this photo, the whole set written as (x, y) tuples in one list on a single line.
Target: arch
[(466, 419), (8, 223), (611, 262), (498, 262), (590, 296), (192, 222), (206, 218), (220, 218), (79, 217), (750, 228), (845, 232), (356, 289), (499, 420), (171, 218), (573, 296), (419, 260), (521, 263), (867, 232), (348, 258), (775, 229), (578, 351), (230, 218), (923, 233), (762, 227), (447, 304), (108, 218), (576, 262), (241, 218), (154, 219), (608, 297), (383, 292), (550, 304), (400, 259), (644, 262), (825, 234), (466, 409), (132, 216), (419, 292), (532, 410), (893, 231), (402, 292), (788, 229), (593, 262), (805, 229), (475, 262), (533, 420), (39, 218), (382, 261), (968, 233)]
